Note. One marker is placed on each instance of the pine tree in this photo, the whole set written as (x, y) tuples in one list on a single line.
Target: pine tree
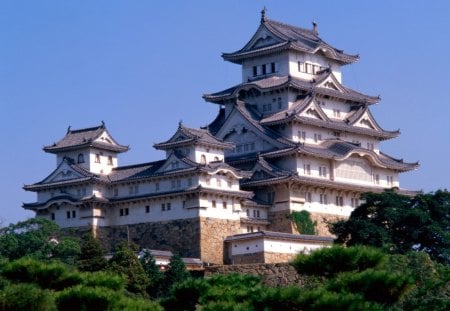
[(92, 256), (152, 270), (126, 263), (176, 272)]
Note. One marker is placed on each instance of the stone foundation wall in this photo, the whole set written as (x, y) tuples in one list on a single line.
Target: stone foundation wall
[(261, 257), (281, 222), (279, 274), (322, 220), (213, 233), (180, 236)]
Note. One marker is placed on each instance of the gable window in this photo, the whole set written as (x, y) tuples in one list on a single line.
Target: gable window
[(339, 201), (323, 198), (308, 68), (370, 146), (270, 196), (376, 179), (308, 197), (97, 158), (322, 171), (390, 180), (174, 165), (336, 113), (218, 182), (355, 202), (203, 159), (110, 160), (301, 67), (80, 158), (307, 169), (317, 137), (213, 203), (301, 136), (224, 204)]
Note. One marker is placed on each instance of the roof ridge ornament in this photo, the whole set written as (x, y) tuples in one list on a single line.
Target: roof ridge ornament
[(263, 15), (314, 30)]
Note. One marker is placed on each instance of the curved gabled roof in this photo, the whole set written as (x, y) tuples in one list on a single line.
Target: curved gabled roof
[(190, 136), (78, 174), (273, 36), (346, 125), (276, 82), (87, 137), (340, 150)]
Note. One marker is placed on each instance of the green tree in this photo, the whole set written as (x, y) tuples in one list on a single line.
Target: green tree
[(38, 238), (155, 276), (303, 222), (92, 254), (126, 263), (400, 223), (176, 272)]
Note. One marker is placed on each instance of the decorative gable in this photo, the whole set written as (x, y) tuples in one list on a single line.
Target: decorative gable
[(331, 82), (313, 110), (173, 163), (64, 172)]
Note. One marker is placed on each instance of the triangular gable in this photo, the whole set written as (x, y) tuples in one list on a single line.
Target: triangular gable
[(330, 82), (260, 172), (366, 120), (262, 37), (173, 163), (236, 126), (106, 138), (63, 172), (313, 110)]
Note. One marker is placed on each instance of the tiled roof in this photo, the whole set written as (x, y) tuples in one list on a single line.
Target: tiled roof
[(85, 176), (288, 37), (37, 205), (75, 139), (276, 82), (339, 150), (185, 135), (280, 235)]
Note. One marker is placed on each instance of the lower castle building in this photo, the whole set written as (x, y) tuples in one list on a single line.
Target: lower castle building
[(289, 137)]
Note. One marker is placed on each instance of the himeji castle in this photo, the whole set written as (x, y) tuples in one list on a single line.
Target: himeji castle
[(289, 137)]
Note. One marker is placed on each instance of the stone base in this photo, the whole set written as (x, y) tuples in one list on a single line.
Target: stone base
[(261, 257), (213, 233), (274, 275), (281, 222), (322, 222)]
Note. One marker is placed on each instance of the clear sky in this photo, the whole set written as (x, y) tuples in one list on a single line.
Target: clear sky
[(142, 66)]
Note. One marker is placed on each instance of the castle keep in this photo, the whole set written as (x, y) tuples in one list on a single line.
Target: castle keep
[(289, 137)]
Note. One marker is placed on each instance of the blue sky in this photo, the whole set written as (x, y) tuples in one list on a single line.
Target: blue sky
[(142, 66)]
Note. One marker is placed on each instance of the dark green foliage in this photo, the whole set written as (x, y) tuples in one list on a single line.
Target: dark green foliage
[(125, 262), (155, 276), (176, 272), (377, 286), (92, 254), (26, 297), (330, 261), (53, 275), (38, 238), (431, 282), (185, 295), (87, 298), (303, 222), (104, 279), (400, 224)]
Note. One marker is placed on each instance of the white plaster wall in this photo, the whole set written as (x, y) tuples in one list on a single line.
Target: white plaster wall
[(209, 153), (280, 61), (295, 57)]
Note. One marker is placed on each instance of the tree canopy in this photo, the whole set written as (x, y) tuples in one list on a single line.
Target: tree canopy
[(400, 223)]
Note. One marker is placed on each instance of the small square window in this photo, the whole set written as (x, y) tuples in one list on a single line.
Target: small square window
[(147, 209), (224, 205), (74, 214)]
